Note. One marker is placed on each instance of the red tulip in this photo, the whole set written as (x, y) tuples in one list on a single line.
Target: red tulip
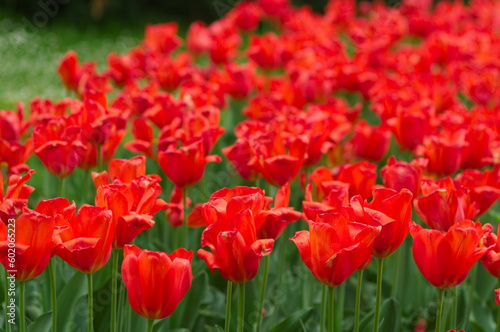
[(497, 296), (59, 147), (278, 162), (337, 197), (15, 197), (125, 170), (445, 152), (272, 222), (156, 282), (162, 38), (198, 38), (444, 204), (491, 259), (133, 207), (445, 258), (400, 174), (361, 177), (185, 166), (231, 233), (86, 243), (483, 188), (370, 143), (246, 15), (334, 247), (33, 235), (392, 211), (58, 209)]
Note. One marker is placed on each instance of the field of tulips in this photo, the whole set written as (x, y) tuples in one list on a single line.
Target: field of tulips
[(276, 170)]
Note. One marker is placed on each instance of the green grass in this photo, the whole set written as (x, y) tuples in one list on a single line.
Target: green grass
[(28, 60)]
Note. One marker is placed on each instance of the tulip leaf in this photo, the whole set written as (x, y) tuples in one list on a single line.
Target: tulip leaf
[(67, 300), (42, 324), (190, 304), (293, 322), (390, 317), (390, 312)]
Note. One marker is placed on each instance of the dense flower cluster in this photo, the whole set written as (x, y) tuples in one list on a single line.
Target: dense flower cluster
[(373, 110)]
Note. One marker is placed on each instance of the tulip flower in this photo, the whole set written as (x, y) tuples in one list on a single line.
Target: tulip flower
[(59, 147), (491, 259), (483, 188), (335, 247), (445, 152), (397, 175), (277, 165), (497, 296), (370, 143), (231, 233), (86, 243), (162, 38), (185, 166), (156, 282), (444, 204), (15, 197), (35, 236), (445, 258)]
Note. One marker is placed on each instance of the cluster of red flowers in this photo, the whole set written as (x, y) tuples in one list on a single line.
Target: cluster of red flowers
[(429, 77)]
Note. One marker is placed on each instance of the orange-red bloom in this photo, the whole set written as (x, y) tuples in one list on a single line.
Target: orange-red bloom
[(400, 174), (231, 233), (156, 282), (491, 259), (59, 146), (86, 243), (334, 247), (15, 197), (445, 258), (392, 211), (444, 204), (32, 239), (185, 166)]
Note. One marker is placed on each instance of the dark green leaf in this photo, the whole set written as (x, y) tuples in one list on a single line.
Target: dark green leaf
[(294, 321)]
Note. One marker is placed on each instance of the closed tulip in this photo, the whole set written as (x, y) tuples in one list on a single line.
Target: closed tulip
[(156, 282)]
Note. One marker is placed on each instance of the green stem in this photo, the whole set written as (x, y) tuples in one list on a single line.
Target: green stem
[(184, 223), (86, 186), (262, 293), (331, 305), (54, 296), (241, 307), (358, 301), (439, 309), (91, 302), (454, 312), (228, 305), (114, 273), (7, 284), (23, 317), (340, 307), (281, 268), (379, 295), (323, 309), (61, 187), (395, 277), (151, 322), (472, 285), (99, 158), (121, 303)]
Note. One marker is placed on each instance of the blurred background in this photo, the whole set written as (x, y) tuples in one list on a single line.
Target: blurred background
[(34, 35)]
